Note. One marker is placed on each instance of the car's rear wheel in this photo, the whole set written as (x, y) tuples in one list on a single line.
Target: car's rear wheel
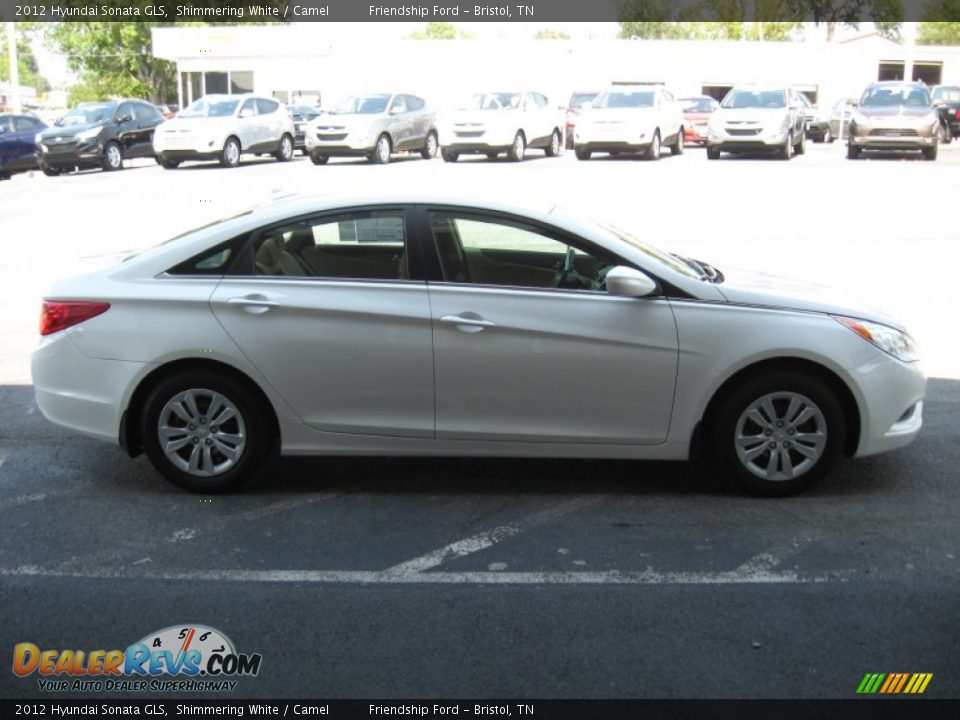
[(519, 147), (449, 155), (382, 150), (653, 149), (112, 157), (166, 163), (582, 154), (778, 434), (677, 147), (429, 151), (801, 147), (230, 155), (553, 149), (204, 432), (285, 149)]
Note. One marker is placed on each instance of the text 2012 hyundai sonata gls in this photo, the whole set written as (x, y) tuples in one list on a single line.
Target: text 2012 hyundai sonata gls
[(430, 326)]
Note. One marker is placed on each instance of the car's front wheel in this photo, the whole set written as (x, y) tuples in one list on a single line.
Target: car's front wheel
[(230, 155), (778, 434), (519, 147), (318, 159), (449, 155), (853, 152), (582, 154), (204, 432), (112, 157), (382, 150)]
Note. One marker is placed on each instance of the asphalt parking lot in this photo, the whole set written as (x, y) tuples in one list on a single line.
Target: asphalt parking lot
[(524, 579)]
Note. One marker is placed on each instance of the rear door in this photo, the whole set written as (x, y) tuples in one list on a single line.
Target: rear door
[(334, 312), (271, 116), (248, 126), (528, 346)]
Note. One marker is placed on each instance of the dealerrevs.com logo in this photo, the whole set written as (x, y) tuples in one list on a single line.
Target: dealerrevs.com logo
[(187, 658)]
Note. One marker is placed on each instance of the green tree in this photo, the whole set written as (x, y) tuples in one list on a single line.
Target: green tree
[(27, 67), (438, 31), (939, 33), (547, 34)]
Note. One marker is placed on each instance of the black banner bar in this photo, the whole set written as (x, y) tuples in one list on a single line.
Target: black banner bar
[(535, 11), (854, 709)]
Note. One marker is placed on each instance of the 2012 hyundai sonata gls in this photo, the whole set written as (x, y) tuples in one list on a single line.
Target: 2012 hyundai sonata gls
[(430, 326)]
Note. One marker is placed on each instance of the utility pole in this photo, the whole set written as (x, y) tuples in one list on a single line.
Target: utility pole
[(14, 68), (909, 43)]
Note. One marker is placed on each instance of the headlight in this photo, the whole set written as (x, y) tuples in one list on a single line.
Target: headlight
[(891, 341), (88, 134)]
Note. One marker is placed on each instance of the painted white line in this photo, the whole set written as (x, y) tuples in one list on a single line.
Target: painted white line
[(373, 577)]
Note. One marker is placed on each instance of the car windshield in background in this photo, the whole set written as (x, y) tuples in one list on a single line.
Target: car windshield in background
[(88, 114), (636, 99), (302, 110), (580, 99), (494, 101), (698, 105), (895, 96), (361, 105), (205, 107), (743, 99), (947, 94)]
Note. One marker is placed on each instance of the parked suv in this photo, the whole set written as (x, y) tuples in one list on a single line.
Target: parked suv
[(755, 118), (946, 99), (373, 126), (495, 122), (631, 119), (894, 116), (98, 134), (18, 150), (302, 115), (223, 127)]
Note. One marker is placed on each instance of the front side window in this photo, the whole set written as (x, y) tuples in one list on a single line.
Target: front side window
[(481, 250), (249, 108), (363, 245), (399, 104), (24, 124)]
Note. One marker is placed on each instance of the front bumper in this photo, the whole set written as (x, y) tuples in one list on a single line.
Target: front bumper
[(891, 141), (759, 141), (341, 142), (892, 393), (81, 393), (70, 154)]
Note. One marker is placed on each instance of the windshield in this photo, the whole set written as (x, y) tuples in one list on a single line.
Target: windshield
[(361, 105), (89, 114), (211, 107), (895, 96), (698, 105), (947, 94), (626, 99), (741, 99), (495, 101), (580, 99)]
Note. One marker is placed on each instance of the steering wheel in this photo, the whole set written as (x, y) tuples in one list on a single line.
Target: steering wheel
[(566, 269)]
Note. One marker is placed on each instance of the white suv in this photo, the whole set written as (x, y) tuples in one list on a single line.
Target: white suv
[(511, 122), (630, 119), (222, 127)]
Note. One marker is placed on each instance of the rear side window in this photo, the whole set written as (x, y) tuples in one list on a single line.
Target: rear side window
[(147, 113), (415, 103), (265, 107), (215, 261), (25, 124)]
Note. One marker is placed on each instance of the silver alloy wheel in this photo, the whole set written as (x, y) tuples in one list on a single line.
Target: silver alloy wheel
[(383, 149), (201, 432), (519, 147), (286, 147), (655, 146), (780, 436), (232, 152), (555, 144), (431, 145), (114, 156)]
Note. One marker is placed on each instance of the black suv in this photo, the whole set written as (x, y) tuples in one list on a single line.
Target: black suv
[(98, 134), (946, 98)]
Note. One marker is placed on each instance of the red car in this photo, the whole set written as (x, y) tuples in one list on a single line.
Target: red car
[(696, 115), (577, 101)]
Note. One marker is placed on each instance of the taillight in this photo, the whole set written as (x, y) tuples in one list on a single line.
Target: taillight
[(56, 315), (956, 113)]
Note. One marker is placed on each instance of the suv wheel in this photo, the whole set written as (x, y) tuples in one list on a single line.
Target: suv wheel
[(519, 147), (429, 151), (553, 149), (449, 155), (930, 153), (112, 157), (801, 147), (786, 150), (677, 147), (317, 159), (230, 156), (582, 154), (853, 152), (285, 150), (827, 135), (381, 151), (653, 150), (713, 153), (50, 171)]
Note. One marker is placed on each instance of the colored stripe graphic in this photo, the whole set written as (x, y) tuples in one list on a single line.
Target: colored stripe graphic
[(894, 683)]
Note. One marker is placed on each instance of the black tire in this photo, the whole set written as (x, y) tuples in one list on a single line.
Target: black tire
[(677, 147), (381, 151), (429, 150), (801, 147), (449, 155), (285, 149), (786, 150), (713, 153), (930, 153), (318, 159), (112, 157), (654, 148), (553, 149), (853, 152), (582, 154), (4, 176), (518, 149), (723, 426), (50, 171), (255, 427), (167, 164), (230, 155), (492, 156)]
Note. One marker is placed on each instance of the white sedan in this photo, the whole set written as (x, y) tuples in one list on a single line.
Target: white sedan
[(419, 325)]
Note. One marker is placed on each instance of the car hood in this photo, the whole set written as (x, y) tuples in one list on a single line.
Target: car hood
[(617, 114), (69, 130), (190, 123), (878, 112), (760, 115), (481, 117), (750, 288)]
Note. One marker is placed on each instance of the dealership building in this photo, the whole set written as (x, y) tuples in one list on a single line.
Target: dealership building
[(319, 63)]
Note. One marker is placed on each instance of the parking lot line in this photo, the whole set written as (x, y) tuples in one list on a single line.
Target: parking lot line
[(484, 540)]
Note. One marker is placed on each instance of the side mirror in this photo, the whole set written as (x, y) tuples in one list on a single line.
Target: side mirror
[(123, 118), (623, 281)]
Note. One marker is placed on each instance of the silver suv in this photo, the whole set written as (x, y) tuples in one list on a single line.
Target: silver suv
[(373, 126), (755, 118)]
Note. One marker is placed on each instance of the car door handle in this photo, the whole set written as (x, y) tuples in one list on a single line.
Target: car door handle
[(471, 324), (253, 303)]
